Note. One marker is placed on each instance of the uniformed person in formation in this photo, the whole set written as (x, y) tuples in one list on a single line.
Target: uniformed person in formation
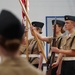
[(67, 54), (59, 34), (11, 35), (33, 47)]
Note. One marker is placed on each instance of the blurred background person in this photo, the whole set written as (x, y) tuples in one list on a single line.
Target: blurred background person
[(11, 36)]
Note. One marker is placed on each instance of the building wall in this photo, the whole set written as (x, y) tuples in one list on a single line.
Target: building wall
[(39, 9)]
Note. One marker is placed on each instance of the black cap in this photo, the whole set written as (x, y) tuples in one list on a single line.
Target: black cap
[(38, 24), (59, 22), (68, 17), (10, 26)]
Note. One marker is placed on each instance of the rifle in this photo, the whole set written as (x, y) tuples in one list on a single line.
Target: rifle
[(52, 58)]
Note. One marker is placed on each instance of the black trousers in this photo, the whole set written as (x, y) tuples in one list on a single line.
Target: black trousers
[(35, 65), (68, 68), (54, 71)]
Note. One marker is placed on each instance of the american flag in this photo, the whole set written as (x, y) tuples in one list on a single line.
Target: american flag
[(23, 14)]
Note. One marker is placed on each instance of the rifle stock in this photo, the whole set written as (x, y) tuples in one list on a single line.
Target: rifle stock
[(52, 57), (49, 71)]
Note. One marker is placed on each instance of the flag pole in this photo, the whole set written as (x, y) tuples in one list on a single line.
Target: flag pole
[(27, 55), (33, 30)]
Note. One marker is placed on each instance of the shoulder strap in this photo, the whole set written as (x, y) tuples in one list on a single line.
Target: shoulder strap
[(59, 44), (29, 41), (72, 41), (33, 47), (32, 50)]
